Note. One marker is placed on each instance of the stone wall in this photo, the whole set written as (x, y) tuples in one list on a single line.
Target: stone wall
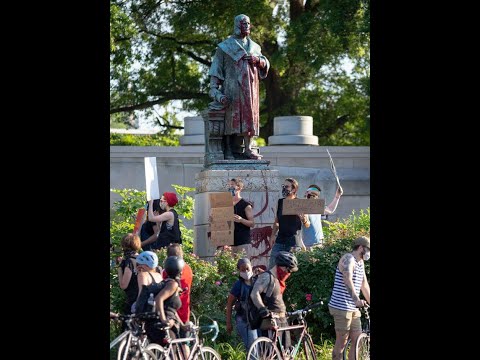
[(307, 164)]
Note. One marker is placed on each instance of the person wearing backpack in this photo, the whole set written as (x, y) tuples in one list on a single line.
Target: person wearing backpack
[(167, 301), (267, 293), (147, 274), (238, 299), (127, 272)]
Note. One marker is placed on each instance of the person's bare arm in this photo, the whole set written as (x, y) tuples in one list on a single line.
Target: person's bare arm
[(142, 279), (274, 230), (124, 277), (230, 301), (305, 220), (365, 288), (249, 220), (259, 287), (163, 295), (166, 216), (346, 266), (330, 209)]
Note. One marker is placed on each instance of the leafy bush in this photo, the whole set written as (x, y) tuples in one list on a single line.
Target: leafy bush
[(213, 280), (313, 281), (144, 140)]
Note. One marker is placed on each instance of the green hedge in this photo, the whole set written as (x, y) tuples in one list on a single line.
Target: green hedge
[(212, 281)]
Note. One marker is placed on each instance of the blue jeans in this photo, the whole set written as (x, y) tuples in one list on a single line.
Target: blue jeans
[(248, 336), (276, 249)]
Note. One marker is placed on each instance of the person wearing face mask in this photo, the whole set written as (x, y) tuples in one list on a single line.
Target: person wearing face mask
[(267, 293), (243, 216), (312, 232), (170, 228), (237, 300), (350, 279), (288, 226)]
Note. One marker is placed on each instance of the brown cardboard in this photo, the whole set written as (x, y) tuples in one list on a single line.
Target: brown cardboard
[(303, 206)]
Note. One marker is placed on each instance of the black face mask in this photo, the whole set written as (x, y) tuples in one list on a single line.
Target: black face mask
[(232, 190), (285, 192)]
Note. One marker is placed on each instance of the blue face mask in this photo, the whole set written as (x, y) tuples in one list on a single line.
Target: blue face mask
[(232, 190)]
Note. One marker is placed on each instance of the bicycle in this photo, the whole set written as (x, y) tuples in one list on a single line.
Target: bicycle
[(362, 345), (269, 348), (173, 349), (133, 341)]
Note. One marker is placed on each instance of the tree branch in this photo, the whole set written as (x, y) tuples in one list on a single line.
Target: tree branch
[(167, 125), (194, 57), (163, 97), (172, 38), (337, 124)]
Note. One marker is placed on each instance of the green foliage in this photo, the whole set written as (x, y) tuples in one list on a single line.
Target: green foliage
[(161, 51), (213, 279), (227, 351), (144, 140), (316, 271), (184, 208)]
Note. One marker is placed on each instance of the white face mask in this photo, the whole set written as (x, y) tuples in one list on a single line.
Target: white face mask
[(246, 274), (366, 256), (162, 205)]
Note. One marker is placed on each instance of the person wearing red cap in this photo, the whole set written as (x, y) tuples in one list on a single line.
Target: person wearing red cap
[(170, 229)]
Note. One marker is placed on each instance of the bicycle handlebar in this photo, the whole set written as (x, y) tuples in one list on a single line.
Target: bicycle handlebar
[(305, 310)]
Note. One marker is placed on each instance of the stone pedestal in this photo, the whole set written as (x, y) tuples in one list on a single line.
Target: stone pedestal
[(262, 188), (214, 125), (194, 131), (293, 130)]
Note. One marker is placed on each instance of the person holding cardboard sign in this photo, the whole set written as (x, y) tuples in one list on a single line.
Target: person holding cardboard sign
[(243, 216), (288, 226), (170, 229), (312, 235)]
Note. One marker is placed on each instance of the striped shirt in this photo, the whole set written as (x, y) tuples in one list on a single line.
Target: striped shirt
[(341, 299)]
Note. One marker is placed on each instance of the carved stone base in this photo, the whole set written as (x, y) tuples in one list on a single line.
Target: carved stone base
[(238, 165), (261, 187)]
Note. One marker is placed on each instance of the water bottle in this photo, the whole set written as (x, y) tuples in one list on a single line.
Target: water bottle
[(151, 301)]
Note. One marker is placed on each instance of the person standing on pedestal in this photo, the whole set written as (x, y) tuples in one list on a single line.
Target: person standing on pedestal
[(235, 73)]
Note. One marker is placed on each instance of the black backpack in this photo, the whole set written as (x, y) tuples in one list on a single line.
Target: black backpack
[(253, 317), (154, 288)]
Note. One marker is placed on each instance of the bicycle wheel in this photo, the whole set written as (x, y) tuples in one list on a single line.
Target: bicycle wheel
[(347, 350), (148, 355), (362, 347), (307, 351), (209, 354), (262, 349), (157, 350), (121, 350)]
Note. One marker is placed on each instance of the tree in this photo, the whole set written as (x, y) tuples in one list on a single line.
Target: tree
[(161, 51)]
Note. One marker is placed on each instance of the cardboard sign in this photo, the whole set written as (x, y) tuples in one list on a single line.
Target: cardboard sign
[(139, 220), (303, 206), (222, 219), (151, 178), (221, 199), (222, 225)]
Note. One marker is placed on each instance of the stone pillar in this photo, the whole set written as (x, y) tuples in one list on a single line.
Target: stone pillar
[(261, 188), (293, 130), (194, 131), (214, 125)]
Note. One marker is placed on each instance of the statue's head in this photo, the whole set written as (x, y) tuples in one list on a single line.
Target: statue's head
[(241, 25)]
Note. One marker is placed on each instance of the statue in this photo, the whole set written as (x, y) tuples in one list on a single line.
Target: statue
[(237, 68)]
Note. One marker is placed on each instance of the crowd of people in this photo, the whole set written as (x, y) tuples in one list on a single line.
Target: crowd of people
[(138, 270)]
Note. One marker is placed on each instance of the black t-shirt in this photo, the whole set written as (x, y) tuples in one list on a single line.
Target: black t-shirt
[(288, 225), (145, 232), (131, 291), (241, 235), (169, 234)]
